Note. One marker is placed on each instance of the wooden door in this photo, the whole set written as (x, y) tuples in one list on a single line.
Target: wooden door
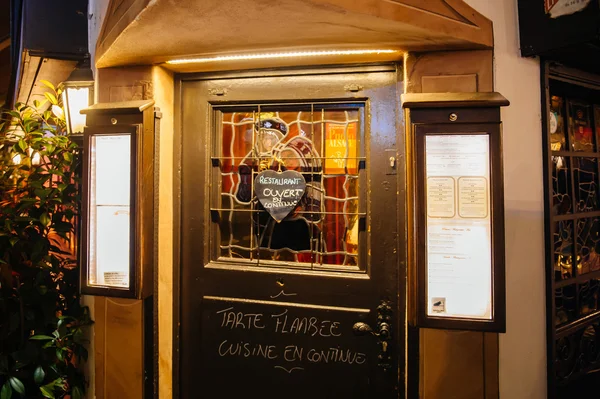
[(312, 307)]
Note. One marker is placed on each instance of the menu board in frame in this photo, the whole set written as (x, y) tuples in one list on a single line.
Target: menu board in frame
[(119, 181), (458, 277)]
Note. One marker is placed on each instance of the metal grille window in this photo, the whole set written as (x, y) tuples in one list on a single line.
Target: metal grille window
[(572, 133), (323, 142)]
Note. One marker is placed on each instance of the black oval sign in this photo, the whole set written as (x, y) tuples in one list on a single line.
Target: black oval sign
[(279, 192)]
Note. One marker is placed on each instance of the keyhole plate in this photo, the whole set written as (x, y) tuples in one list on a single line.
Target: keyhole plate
[(392, 164)]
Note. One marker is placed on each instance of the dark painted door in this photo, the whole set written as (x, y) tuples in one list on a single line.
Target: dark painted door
[(274, 309)]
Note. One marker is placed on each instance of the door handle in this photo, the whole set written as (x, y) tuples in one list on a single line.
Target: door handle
[(383, 332)]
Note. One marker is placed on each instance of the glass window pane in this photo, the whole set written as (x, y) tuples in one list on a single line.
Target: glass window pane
[(109, 210), (322, 229), (339, 129), (563, 250), (340, 224), (581, 133), (557, 124), (565, 301), (458, 259), (597, 119), (112, 246), (111, 157), (562, 202), (588, 297), (588, 245), (585, 173)]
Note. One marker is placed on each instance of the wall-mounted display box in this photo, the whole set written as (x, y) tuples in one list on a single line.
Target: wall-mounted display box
[(457, 236), (118, 253)]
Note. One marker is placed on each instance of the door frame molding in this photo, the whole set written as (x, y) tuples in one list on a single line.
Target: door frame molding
[(409, 380)]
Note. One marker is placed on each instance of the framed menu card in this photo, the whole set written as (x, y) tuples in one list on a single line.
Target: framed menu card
[(119, 183), (459, 218)]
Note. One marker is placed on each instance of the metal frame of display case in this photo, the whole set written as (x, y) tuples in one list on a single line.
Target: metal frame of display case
[(456, 114), (139, 120), (573, 345)]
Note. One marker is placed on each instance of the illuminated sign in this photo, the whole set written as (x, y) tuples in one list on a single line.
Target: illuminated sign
[(456, 205), (458, 240)]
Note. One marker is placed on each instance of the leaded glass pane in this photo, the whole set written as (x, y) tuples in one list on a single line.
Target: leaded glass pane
[(562, 201), (577, 353), (565, 302), (588, 245), (581, 134), (324, 145), (588, 297), (585, 173), (556, 124), (563, 250), (597, 119)]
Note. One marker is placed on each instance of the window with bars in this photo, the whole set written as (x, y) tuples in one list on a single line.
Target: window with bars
[(573, 228), (323, 142)]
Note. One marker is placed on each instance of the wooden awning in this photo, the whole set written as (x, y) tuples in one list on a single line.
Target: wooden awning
[(143, 32)]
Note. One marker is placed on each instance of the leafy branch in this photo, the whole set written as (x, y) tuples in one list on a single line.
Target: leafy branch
[(42, 323)]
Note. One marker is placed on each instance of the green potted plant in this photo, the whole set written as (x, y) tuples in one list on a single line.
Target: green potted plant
[(41, 318)]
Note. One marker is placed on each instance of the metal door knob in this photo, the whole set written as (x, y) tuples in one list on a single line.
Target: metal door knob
[(384, 331), (361, 328)]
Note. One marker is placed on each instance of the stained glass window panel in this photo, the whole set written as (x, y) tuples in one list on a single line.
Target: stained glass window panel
[(581, 133), (588, 245), (563, 250), (566, 304), (585, 173), (322, 144), (597, 120), (588, 297), (562, 200), (556, 124)]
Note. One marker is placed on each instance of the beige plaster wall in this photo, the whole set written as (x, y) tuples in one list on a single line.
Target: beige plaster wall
[(523, 347)]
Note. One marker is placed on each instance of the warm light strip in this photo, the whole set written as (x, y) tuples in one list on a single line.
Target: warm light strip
[(264, 56)]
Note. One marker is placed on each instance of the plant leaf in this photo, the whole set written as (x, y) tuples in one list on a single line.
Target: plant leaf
[(45, 219), (47, 392), (60, 355), (17, 385), (39, 375), (41, 337), (51, 97), (47, 84), (6, 392), (77, 394)]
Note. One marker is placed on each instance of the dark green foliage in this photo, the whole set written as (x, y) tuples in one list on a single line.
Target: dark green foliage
[(41, 318)]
